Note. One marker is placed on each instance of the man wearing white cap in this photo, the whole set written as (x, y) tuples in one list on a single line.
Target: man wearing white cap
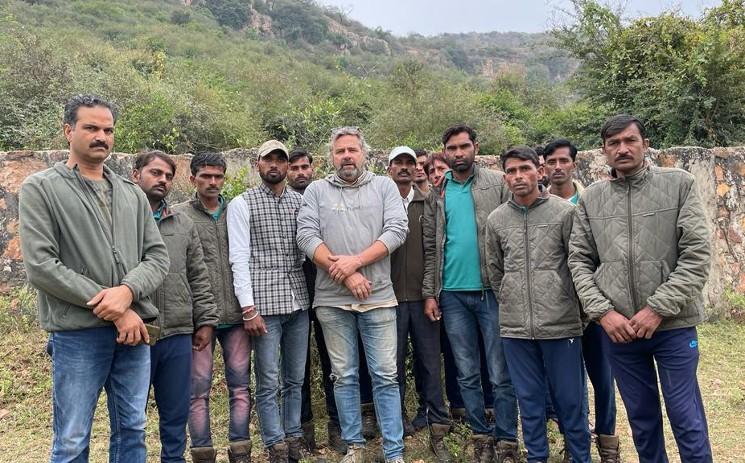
[(407, 273), (270, 286)]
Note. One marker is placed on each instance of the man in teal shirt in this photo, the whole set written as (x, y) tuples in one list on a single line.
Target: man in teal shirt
[(456, 287)]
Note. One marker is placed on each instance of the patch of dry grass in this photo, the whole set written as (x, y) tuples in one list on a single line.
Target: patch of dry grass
[(25, 434)]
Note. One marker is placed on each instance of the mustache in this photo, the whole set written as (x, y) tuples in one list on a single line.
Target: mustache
[(101, 144)]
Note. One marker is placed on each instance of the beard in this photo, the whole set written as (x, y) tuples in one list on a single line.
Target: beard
[(349, 173), (272, 178)]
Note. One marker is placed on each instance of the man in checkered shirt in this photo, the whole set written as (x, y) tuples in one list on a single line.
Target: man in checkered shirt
[(270, 286)]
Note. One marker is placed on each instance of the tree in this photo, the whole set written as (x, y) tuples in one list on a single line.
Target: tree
[(685, 77)]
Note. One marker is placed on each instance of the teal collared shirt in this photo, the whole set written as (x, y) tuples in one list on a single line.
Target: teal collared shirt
[(160, 211), (462, 269), (216, 215)]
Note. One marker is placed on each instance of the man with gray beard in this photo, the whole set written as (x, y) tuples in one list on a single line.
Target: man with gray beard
[(349, 224)]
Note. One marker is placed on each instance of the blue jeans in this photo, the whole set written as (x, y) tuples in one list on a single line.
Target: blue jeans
[(377, 329), (466, 313), (170, 375), (83, 362), (279, 355), (531, 363)]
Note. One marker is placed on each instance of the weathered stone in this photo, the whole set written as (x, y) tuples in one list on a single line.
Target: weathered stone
[(719, 172)]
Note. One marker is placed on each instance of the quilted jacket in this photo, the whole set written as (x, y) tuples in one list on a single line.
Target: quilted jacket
[(184, 300), (489, 191), (214, 237), (642, 240), (527, 250)]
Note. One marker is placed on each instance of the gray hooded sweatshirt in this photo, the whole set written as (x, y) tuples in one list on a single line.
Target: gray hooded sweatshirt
[(349, 218)]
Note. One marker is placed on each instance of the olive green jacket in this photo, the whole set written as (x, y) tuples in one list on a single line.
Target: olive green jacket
[(69, 256), (527, 250), (185, 298), (214, 238), (642, 241), (489, 191)]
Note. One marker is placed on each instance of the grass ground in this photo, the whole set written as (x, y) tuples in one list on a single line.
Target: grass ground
[(25, 433)]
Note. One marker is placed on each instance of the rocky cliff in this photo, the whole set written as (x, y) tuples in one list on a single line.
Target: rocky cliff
[(720, 174)]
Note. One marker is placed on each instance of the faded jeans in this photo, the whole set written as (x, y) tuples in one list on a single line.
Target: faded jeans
[(236, 354), (279, 364), (83, 362), (377, 329), (465, 315)]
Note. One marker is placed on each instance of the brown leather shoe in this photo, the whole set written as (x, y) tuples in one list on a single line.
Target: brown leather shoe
[(279, 453), (203, 455), (483, 448), (608, 449), (239, 451), (507, 451), (437, 433)]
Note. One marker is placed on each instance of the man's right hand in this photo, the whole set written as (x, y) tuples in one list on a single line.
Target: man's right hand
[(431, 309), (255, 326), (131, 329), (358, 285), (618, 327)]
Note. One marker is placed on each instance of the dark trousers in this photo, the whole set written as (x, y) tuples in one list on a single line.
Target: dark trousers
[(425, 340), (306, 414), (530, 362), (452, 390), (170, 376), (675, 355), (597, 365)]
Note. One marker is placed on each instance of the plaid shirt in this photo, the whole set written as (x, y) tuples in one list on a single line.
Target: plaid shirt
[(267, 264)]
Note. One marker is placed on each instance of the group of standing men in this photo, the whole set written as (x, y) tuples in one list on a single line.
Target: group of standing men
[(511, 268)]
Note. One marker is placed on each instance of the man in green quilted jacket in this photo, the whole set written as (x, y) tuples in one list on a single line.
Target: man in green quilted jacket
[(639, 256)]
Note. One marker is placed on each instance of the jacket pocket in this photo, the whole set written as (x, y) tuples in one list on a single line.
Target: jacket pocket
[(177, 310), (612, 280), (650, 275), (511, 303)]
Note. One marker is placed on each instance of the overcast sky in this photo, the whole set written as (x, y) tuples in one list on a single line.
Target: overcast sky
[(430, 17)]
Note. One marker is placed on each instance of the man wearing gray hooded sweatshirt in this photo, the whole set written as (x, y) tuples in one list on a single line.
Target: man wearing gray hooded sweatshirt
[(349, 224)]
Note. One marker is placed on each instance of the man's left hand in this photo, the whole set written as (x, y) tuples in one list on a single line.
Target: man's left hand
[(111, 303), (645, 322), (343, 267), (202, 338)]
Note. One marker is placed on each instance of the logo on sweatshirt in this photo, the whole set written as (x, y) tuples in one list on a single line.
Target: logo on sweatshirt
[(693, 344)]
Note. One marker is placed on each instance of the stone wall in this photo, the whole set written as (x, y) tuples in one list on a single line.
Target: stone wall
[(720, 174)]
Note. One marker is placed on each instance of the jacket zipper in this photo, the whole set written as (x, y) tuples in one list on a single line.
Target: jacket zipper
[(528, 276), (632, 276)]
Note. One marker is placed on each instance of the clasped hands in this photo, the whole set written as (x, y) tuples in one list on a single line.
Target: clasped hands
[(623, 330), (345, 270), (115, 305)]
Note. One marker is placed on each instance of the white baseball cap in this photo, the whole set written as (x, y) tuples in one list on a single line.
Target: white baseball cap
[(400, 150)]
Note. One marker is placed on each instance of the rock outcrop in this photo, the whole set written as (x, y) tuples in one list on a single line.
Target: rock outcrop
[(720, 174)]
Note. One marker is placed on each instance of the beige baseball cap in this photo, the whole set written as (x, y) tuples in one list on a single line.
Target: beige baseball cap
[(271, 146)]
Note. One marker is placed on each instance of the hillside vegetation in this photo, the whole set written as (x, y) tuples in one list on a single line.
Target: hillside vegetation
[(218, 74)]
